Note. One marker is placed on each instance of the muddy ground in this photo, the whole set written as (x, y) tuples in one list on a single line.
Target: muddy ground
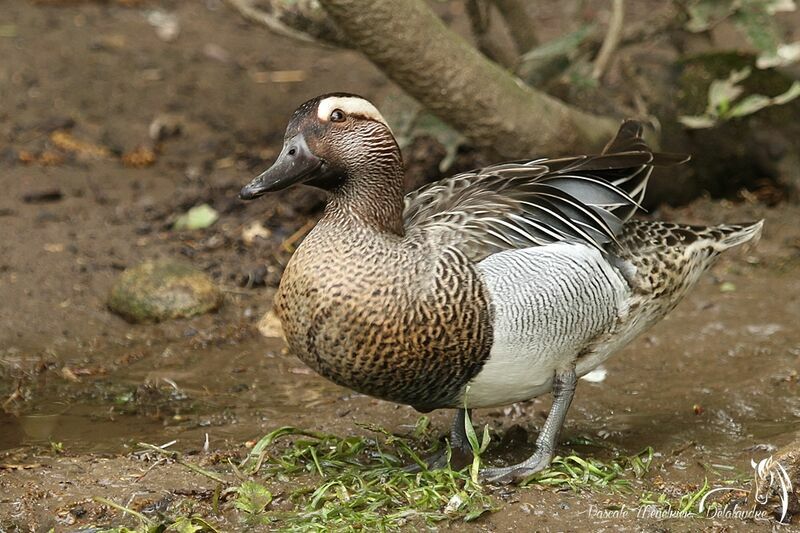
[(87, 192)]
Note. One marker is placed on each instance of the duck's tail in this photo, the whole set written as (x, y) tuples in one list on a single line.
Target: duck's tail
[(667, 259), (727, 236), (629, 139)]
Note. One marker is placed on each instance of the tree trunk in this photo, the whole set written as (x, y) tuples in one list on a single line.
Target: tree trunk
[(491, 107)]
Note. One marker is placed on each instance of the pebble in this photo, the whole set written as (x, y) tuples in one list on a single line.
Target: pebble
[(161, 290)]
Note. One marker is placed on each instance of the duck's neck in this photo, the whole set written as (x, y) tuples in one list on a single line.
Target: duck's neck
[(372, 193)]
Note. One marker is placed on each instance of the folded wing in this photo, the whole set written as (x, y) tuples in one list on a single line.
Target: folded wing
[(532, 203)]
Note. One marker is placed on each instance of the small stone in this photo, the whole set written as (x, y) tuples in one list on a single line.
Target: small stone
[(166, 24), (217, 53), (454, 504), (253, 231), (160, 290), (270, 326)]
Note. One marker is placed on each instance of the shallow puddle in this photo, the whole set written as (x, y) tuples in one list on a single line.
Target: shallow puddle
[(230, 392)]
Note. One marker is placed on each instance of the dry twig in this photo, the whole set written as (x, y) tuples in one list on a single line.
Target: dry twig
[(520, 22), (612, 39), (479, 12), (178, 458), (272, 20)]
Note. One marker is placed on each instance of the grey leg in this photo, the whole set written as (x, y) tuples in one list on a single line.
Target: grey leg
[(459, 443), (459, 446), (563, 391)]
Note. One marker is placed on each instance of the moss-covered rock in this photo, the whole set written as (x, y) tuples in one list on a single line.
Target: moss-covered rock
[(160, 290)]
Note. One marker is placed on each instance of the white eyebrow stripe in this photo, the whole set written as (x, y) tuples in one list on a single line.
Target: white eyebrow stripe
[(351, 105)]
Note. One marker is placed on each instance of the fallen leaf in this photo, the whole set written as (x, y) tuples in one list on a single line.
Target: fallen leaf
[(26, 157), (225, 162), (49, 158), (69, 375), (89, 371), (727, 286), (287, 76), (278, 76), (11, 466), (697, 122), (65, 141), (198, 217), (139, 157)]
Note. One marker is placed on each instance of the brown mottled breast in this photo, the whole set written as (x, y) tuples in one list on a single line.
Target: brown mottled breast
[(385, 315)]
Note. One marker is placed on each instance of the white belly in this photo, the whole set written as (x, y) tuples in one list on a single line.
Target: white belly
[(550, 304)]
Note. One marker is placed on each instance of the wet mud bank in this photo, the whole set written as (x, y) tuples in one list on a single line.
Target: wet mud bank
[(92, 187)]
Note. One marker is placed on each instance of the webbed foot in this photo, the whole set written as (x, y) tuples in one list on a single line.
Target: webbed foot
[(563, 391), (519, 472)]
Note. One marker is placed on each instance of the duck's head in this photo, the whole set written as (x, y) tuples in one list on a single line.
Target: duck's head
[(329, 139)]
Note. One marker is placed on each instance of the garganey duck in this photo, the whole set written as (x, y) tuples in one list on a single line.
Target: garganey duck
[(483, 289)]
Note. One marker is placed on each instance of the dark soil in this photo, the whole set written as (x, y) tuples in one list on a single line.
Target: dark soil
[(88, 192)]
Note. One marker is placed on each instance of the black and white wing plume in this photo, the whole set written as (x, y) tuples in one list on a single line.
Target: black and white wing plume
[(532, 203)]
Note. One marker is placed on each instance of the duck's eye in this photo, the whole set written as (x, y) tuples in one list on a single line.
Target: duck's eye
[(337, 115)]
